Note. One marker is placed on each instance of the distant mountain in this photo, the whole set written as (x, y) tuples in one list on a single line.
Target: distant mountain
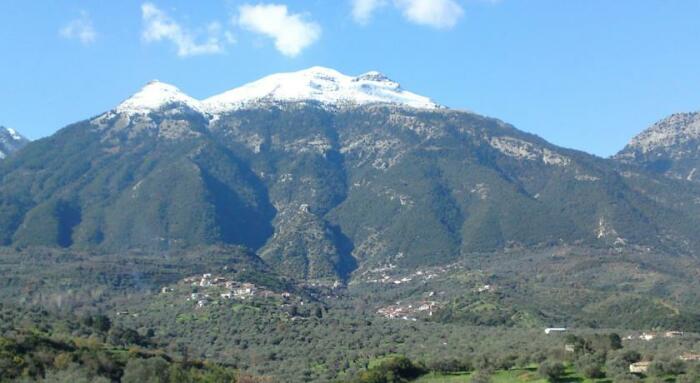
[(670, 147), (10, 141), (319, 85), (320, 174)]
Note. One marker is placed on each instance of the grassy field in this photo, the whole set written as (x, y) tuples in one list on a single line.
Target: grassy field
[(511, 376)]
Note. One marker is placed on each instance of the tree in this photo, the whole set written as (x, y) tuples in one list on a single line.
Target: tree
[(619, 365), (631, 356), (394, 370), (99, 322), (591, 366), (553, 371), (691, 377), (481, 376), (626, 378), (125, 337), (615, 341), (664, 367), (447, 366), (153, 370)]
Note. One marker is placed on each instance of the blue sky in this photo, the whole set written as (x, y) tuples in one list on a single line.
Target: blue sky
[(585, 74)]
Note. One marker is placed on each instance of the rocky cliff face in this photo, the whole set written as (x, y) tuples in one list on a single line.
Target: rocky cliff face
[(670, 147)]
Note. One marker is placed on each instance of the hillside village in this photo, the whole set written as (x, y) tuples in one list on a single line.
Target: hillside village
[(386, 274), (209, 289)]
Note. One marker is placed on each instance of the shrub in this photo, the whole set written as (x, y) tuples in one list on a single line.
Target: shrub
[(153, 370), (481, 376), (553, 371), (394, 370), (448, 366), (591, 366)]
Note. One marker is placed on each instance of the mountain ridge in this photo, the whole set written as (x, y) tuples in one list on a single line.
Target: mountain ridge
[(671, 147), (316, 84), (319, 192)]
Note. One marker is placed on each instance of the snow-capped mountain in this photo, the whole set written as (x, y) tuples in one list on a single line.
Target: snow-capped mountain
[(317, 84), (155, 96), (10, 141), (322, 187), (323, 85), (671, 146)]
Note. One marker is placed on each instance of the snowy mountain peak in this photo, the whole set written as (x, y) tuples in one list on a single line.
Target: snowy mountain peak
[(155, 96), (323, 85), (10, 141), (8, 135)]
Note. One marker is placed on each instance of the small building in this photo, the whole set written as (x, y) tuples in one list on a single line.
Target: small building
[(647, 336), (640, 367), (553, 330), (226, 296), (570, 348), (690, 357)]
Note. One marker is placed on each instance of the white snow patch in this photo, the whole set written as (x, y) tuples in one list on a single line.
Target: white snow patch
[(13, 133), (317, 84), (154, 96), (324, 85)]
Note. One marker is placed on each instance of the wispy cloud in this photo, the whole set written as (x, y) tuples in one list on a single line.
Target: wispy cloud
[(291, 32), (159, 26), (362, 10), (432, 13), (80, 29), (440, 14)]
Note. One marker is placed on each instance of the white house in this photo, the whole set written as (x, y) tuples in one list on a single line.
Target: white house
[(639, 367), (647, 336), (551, 330)]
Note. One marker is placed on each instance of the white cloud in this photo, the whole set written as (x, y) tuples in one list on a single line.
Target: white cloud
[(362, 10), (158, 26), (441, 14), (432, 13), (291, 32), (81, 29)]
